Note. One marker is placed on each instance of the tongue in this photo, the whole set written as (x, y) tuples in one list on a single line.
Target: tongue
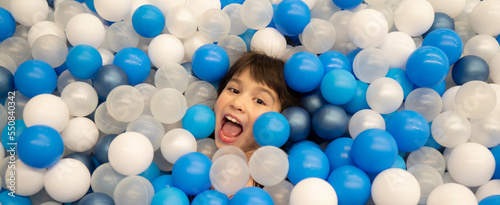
[(231, 129)]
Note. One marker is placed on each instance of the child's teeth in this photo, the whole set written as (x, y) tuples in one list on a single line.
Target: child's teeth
[(232, 119)]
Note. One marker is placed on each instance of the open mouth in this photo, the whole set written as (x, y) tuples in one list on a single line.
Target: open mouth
[(230, 129)]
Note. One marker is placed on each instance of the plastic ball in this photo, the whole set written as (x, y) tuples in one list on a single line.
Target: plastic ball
[(35, 77), (280, 193), (233, 10), (7, 24), (181, 22), (133, 190), (451, 193), (113, 10), (256, 14), (83, 61), (149, 127), (396, 186), (170, 196), (229, 174), (29, 12), (125, 103), (397, 46), (121, 35), (206, 146), (318, 36), (135, 63), (450, 129), (441, 21), (303, 72), (46, 109), (105, 179), (268, 165), (338, 86), (448, 41), (364, 120), (268, 41), (210, 62), (482, 18), (168, 105), (370, 64), (351, 185), (199, 120), (475, 99), (374, 150), (148, 21), (427, 66), (449, 99), (96, 198), (490, 188), (192, 43), (85, 29), (271, 128), (409, 129), (43, 28), (234, 46), (50, 49), (291, 17), (214, 24), (162, 182), (428, 179), (191, 173), (130, 153), (313, 100), (330, 122), (300, 123), (426, 102), (176, 143), (470, 68), (83, 158), (200, 6), (81, 98), (307, 161), (80, 134), (7, 199), (165, 44), (151, 173), (172, 75), (107, 78), (484, 130), (23, 179), (229, 150), (493, 69), (338, 152), (201, 92), (6, 139), (483, 46), (358, 102), (66, 10), (313, 190), (67, 181), (17, 48), (414, 17), (210, 197), (333, 59), (6, 82), (347, 4), (384, 95), (471, 164), (400, 76), (367, 28), (251, 195)]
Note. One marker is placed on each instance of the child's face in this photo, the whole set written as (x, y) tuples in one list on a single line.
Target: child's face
[(242, 101)]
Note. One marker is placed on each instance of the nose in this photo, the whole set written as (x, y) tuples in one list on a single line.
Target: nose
[(238, 104)]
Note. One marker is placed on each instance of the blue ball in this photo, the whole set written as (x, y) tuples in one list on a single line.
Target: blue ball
[(96, 198), (333, 60), (427, 66), (496, 154), (35, 77), (300, 123), (374, 150), (409, 129), (135, 63), (191, 173), (271, 128), (313, 100), (247, 37), (107, 78), (199, 120), (439, 88), (6, 198), (301, 144), (61, 69), (338, 86), (101, 148), (148, 21), (211, 197), (399, 163), (352, 54), (330, 122), (40, 146), (338, 152), (170, 196), (251, 196), (7, 24), (151, 173), (84, 158), (469, 68), (490, 200), (210, 62), (399, 75), (347, 4), (352, 185), (306, 160), (448, 41), (9, 137), (83, 61), (224, 3), (441, 20), (358, 102), (431, 142), (90, 4), (162, 182), (303, 71), (291, 17)]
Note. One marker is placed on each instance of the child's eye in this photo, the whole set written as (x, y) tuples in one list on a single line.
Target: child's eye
[(259, 101), (234, 90)]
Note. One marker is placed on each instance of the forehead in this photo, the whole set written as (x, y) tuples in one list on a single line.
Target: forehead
[(244, 77)]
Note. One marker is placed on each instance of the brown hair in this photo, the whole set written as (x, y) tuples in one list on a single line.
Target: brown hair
[(267, 70)]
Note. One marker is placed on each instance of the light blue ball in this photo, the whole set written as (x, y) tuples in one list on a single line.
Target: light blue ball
[(291, 17), (409, 129), (161, 182), (210, 62), (170, 196), (211, 197), (191, 173), (271, 128), (358, 102), (251, 196), (6, 199), (83, 61), (338, 152), (199, 120), (306, 160), (374, 150), (148, 21), (135, 63), (335, 60), (399, 75), (351, 184), (427, 66), (338, 86), (151, 173), (303, 72)]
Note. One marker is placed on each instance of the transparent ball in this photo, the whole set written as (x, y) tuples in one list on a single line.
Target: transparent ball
[(165, 6), (367, 28), (106, 123), (452, 193), (121, 35), (17, 48), (496, 88), (464, 30), (172, 75), (427, 156), (149, 127), (234, 46), (450, 129), (106, 56), (448, 99), (495, 68), (176, 143), (370, 64), (80, 97), (80, 134), (192, 43), (133, 190), (201, 92), (482, 18), (484, 46), (324, 9), (4, 164), (428, 178), (44, 28), (214, 24), (66, 78), (340, 20), (268, 165), (364, 120), (226, 150), (46, 109), (395, 186), (414, 17), (147, 91), (7, 62), (65, 11), (168, 105), (451, 8), (397, 48), (200, 6), (68, 180), (233, 11), (318, 36), (486, 130), (471, 164), (384, 95), (29, 12), (161, 162), (105, 179), (165, 44), (425, 101), (206, 146), (125, 103), (229, 174), (269, 41), (280, 193), (130, 153), (50, 49), (475, 99), (256, 14), (181, 21)]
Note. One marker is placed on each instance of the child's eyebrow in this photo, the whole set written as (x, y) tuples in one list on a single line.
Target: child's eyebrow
[(259, 89)]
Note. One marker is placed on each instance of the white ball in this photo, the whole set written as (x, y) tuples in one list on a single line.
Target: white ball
[(29, 12), (370, 64), (397, 48), (113, 10), (395, 186), (414, 17), (200, 6), (388, 13), (214, 24), (450, 129), (471, 164), (149, 127), (165, 49), (67, 181), (269, 41), (233, 11), (136, 4), (181, 21), (488, 189), (483, 18), (340, 20), (367, 28), (130, 153), (475, 99), (364, 120), (496, 88), (451, 8), (268, 165), (176, 143), (494, 68), (168, 105), (486, 130), (27, 180), (86, 29), (313, 191), (166, 6), (46, 109), (107, 56), (425, 101), (81, 98), (256, 14), (192, 43), (318, 36), (484, 46), (50, 49), (229, 174), (125, 103), (384, 95), (44, 28), (80, 134), (451, 193)]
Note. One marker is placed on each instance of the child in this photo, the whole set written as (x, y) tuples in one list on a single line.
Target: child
[(255, 84)]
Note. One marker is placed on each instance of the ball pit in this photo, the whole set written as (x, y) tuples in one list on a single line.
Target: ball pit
[(119, 96)]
